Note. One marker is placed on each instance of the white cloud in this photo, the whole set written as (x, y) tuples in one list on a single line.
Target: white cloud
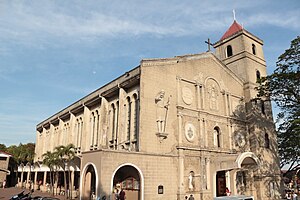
[(288, 20), (31, 21)]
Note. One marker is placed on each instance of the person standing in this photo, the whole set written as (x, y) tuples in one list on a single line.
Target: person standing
[(191, 197), (122, 195), (294, 196), (4, 184)]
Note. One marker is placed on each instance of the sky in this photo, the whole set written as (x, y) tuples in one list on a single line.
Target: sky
[(53, 53)]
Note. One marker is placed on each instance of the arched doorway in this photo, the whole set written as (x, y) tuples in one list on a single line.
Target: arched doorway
[(247, 162), (89, 182), (129, 179)]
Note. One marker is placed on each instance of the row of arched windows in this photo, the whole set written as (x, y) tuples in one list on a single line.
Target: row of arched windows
[(130, 120), (95, 129), (229, 50), (217, 138)]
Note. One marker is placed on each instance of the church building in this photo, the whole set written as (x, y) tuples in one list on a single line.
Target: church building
[(173, 127)]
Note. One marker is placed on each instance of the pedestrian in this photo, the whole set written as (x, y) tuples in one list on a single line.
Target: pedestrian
[(288, 195), (191, 197), (122, 195), (294, 196), (227, 191), (4, 184)]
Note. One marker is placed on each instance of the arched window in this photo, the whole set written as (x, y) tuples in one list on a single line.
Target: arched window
[(262, 103), (135, 116), (113, 122), (257, 76), (92, 129), (253, 49), (128, 119), (229, 51), (217, 137), (267, 141)]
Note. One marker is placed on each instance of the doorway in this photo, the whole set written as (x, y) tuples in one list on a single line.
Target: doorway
[(127, 178), (221, 183), (89, 183)]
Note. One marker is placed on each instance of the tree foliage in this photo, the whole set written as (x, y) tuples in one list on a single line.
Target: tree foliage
[(2, 147), (23, 153), (283, 88), (60, 158)]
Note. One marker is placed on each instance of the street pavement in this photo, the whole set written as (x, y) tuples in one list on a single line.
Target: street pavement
[(7, 193)]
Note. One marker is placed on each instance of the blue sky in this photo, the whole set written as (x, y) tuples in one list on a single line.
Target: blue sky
[(52, 53)]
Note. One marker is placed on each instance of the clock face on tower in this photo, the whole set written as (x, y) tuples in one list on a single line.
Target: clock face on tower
[(240, 140)]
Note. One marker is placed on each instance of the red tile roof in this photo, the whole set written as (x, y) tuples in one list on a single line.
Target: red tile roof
[(4, 153), (234, 28)]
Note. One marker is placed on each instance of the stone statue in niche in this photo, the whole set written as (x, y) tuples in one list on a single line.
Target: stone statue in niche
[(191, 181), (162, 108)]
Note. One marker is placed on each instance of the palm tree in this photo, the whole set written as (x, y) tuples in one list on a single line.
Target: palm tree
[(69, 156), (51, 160), (29, 157), (66, 154)]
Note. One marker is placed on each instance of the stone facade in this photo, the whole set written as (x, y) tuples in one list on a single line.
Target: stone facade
[(175, 127)]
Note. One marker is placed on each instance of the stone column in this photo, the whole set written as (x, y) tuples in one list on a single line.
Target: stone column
[(121, 112), (178, 89), (198, 95), (22, 176), (205, 132), (203, 97), (35, 180), (208, 173), (229, 103), (44, 181), (229, 130), (201, 138), (227, 178), (92, 129), (180, 159)]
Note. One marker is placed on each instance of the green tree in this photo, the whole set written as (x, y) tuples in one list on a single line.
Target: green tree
[(66, 154), (23, 154), (51, 160), (29, 154), (283, 88), (2, 147)]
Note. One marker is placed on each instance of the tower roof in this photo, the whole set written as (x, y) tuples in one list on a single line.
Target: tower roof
[(234, 28)]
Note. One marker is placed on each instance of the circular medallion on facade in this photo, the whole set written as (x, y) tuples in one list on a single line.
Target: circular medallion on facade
[(240, 140), (187, 95), (190, 132)]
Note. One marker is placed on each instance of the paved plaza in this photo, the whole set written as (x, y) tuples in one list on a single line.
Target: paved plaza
[(7, 193)]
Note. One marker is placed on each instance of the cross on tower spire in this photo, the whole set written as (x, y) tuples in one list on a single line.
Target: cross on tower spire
[(233, 11)]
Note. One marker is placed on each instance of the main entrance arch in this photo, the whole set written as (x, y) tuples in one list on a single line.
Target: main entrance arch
[(88, 181), (247, 163), (129, 178)]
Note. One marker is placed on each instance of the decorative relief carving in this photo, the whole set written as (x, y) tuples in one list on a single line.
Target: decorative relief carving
[(199, 78), (222, 85), (213, 94), (187, 95), (213, 97), (240, 140), (190, 132)]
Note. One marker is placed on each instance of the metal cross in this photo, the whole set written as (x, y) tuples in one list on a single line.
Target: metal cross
[(208, 44)]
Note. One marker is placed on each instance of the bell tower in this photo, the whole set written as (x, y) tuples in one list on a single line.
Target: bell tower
[(242, 52)]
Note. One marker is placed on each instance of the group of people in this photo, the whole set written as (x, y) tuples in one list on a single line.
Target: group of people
[(119, 193), (291, 196)]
